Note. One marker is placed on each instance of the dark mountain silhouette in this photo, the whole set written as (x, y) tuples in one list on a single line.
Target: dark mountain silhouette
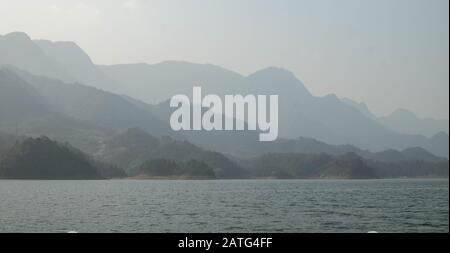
[(43, 158), (139, 149), (7, 141)]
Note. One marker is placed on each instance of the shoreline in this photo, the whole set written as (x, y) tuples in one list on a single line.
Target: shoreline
[(234, 179)]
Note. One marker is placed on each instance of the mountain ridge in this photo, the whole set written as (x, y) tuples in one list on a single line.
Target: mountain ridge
[(327, 119), (405, 121)]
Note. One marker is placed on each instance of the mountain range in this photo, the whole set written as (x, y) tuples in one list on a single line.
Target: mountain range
[(144, 156), (404, 121), (54, 88)]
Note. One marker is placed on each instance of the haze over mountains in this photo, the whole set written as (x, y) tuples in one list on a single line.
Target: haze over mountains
[(404, 121), (54, 88), (144, 156), (324, 118)]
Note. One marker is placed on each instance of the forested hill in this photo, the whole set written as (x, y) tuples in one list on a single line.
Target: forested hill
[(42, 158)]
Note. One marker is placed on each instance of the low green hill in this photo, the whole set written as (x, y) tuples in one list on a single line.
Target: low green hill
[(42, 158), (130, 149)]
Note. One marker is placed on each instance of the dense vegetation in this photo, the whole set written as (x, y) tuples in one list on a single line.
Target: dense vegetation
[(169, 168), (6, 142), (348, 166), (133, 147), (147, 156), (307, 166), (42, 158), (52, 103)]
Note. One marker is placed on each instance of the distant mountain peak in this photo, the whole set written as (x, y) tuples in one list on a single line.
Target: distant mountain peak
[(64, 50), (440, 135), (360, 106), (274, 71), (406, 121), (67, 44), (17, 36), (279, 81), (19, 50), (199, 66), (404, 113), (350, 101), (331, 97)]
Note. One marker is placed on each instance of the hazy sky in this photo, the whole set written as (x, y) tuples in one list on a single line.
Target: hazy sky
[(389, 53)]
